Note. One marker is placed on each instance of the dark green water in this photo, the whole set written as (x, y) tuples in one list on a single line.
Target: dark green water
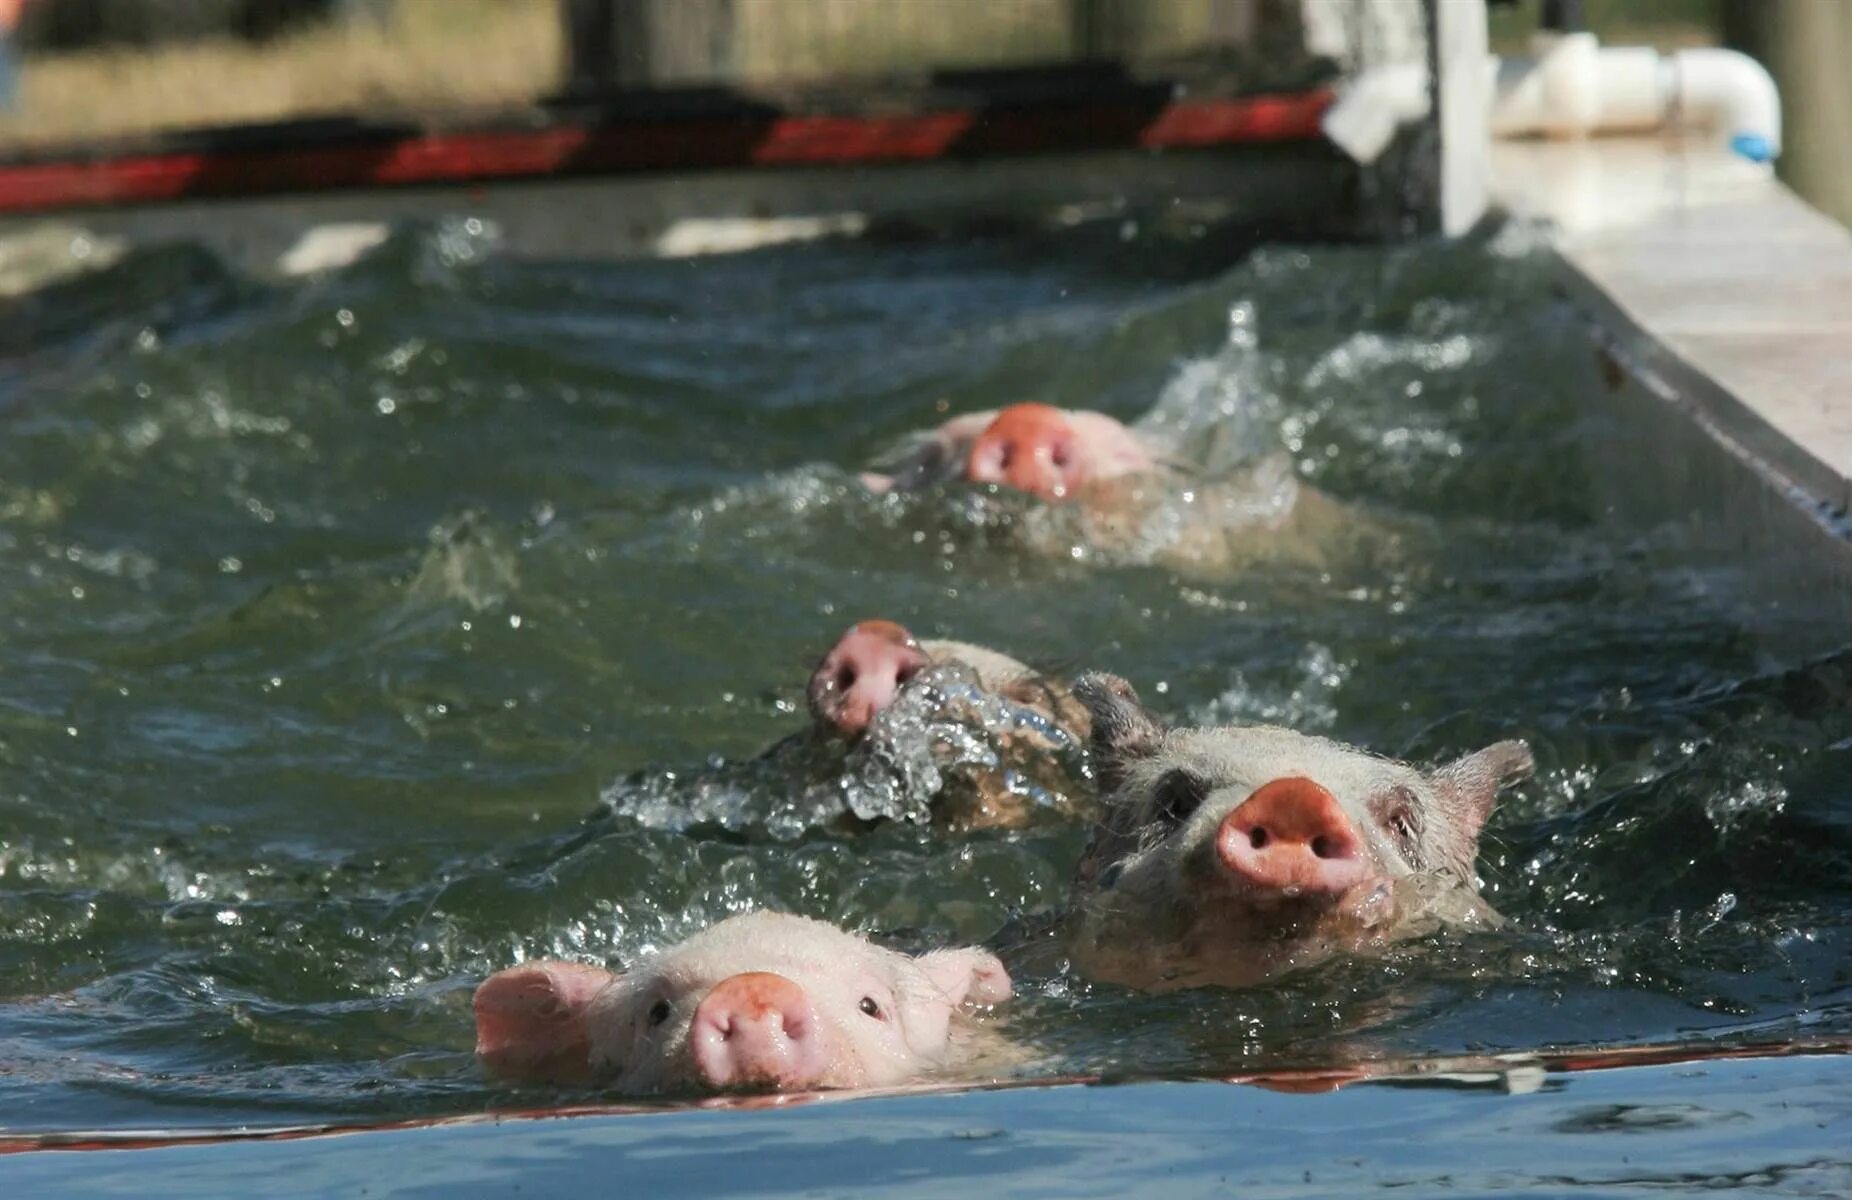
[(332, 609)]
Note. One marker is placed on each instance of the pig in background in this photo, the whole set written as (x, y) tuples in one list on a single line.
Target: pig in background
[(932, 731), (1125, 495), (764, 1000), (1228, 856), (865, 674)]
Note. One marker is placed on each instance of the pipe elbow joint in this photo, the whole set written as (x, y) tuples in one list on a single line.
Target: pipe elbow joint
[(1734, 93)]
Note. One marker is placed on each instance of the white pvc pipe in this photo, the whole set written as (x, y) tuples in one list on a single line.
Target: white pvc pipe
[(1574, 87), (1373, 105), (1731, 92)]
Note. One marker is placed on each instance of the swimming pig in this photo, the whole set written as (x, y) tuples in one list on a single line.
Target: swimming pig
[(1036, 448), (864, 672), (1118, 495), (865, 669), (1226, 856), (763, 1000), (937, 732)]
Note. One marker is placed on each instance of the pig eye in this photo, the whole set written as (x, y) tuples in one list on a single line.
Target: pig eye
[(1398, 817), (871, 1007), (658, 1013), (1178, 797)]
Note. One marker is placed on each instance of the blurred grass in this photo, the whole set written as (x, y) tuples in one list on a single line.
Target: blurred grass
[(485, 55), (809, 39), (1662, 24), (863, 38), (431, 54), (498, 54)]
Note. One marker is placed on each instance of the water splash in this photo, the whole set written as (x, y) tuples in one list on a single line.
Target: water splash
[(942, 740), (281, 777)]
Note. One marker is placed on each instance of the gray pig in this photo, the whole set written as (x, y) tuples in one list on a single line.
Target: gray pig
[(1228, 856)]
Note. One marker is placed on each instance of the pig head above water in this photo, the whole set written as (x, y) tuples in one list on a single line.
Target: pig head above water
[(1117, 495), (760, 1001), (1227, 856), (865, 671), (1048, 452)]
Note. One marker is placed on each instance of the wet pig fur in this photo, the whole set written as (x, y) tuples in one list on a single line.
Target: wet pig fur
[(1226, 856), (1127, 497), (864, 672), (760, 1001)]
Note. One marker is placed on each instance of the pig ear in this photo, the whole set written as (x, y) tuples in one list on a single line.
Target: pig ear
[(967, 976), (530, 1019), (1473, 782), (1122, 730)]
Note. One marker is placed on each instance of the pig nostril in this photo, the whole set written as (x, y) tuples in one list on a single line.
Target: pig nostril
[(1321, 847), (845, 677), (906, 673), (1258, 838)]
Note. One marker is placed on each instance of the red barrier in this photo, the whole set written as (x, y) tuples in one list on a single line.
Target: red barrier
[(751, 137)]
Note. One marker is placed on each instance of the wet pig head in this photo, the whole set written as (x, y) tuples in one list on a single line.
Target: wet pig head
[(870, 665), (761, 1001), (1048, 452), (864, 671), (1230, 855)]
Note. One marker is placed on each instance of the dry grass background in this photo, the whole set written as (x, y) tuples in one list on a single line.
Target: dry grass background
[(499, 54), (432, 54), (784, 39), (487, 55), (484, 55)]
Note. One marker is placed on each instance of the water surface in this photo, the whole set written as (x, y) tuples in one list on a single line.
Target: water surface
[(1770, 1128), (362, 635)]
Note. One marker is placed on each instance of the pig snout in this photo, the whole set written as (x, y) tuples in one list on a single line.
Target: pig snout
[(863, 673), (1029, 447), (1292, 837), (758, 1029)]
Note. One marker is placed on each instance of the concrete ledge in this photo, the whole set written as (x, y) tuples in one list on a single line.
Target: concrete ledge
[(1721, 308), (1720, 283)]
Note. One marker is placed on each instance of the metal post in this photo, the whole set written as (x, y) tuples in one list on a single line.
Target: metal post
[(590, 29), (1563, 16), (1462, 110), (617, 44), (1101, 30)]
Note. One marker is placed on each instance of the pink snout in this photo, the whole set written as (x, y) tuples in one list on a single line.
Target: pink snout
[(758, 1029), (1291, 836), (1029, 447), (863, 673)]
